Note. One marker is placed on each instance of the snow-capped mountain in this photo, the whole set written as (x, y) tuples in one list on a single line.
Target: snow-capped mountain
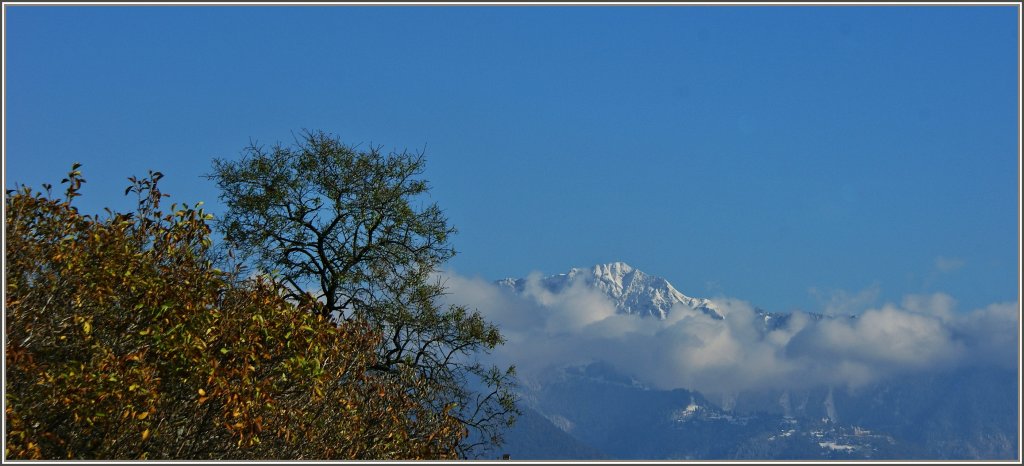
[(632, 291), (637, 293), (598, 406)]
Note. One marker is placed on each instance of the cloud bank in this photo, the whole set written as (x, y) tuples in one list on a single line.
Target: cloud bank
[(690, 350)]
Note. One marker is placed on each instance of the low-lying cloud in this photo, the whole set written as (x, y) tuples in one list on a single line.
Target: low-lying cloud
[(690, 350)]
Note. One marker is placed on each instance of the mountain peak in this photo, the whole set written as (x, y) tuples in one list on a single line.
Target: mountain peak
[(615, 268), (631, 290)]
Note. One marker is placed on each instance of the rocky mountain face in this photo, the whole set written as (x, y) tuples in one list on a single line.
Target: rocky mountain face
[(921, 418), (591, 411)]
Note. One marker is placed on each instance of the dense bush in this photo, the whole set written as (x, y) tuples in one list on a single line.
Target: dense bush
[(125, 342)]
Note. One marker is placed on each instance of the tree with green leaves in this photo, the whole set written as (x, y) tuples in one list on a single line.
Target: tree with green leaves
[(123, 341), (351, 228)]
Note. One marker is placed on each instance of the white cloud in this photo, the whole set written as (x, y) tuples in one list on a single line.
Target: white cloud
[(940, 305), (690, 350), (887, 341)]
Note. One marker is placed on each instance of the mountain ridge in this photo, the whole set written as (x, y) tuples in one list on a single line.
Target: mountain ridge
[(600, 411), (631, 290)]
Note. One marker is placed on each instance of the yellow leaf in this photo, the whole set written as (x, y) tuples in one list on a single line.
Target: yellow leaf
[(202, 392), (145, 434), (87, 327), (143, 415)]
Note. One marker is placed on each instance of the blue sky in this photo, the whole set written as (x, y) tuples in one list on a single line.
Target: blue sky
[(793, 157)]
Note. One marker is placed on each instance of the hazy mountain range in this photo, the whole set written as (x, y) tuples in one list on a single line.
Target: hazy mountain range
[(618, 364)]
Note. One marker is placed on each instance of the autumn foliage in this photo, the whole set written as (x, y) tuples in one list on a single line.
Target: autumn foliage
[(123, 341)]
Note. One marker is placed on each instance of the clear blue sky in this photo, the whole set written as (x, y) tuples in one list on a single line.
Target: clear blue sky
[(753, 152)]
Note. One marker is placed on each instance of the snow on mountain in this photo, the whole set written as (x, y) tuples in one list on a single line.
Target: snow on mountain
[(606, 401), (632, 291)]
